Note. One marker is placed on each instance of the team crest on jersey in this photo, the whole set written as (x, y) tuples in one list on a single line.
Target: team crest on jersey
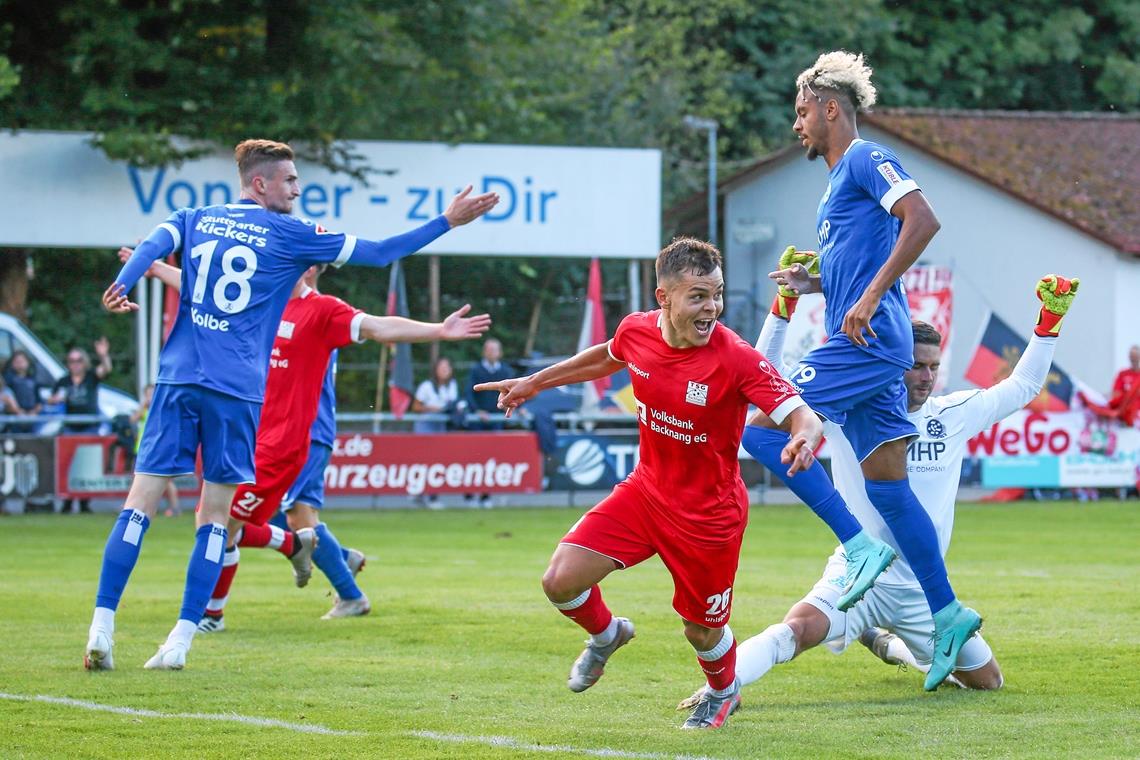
[(317, 228), (697, 394), (285, 329), (935, 429)]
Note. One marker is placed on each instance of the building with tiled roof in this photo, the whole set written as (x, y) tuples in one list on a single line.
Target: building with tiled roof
[(1018, 194)]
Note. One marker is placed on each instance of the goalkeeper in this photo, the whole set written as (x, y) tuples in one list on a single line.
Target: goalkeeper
[(893, 620)]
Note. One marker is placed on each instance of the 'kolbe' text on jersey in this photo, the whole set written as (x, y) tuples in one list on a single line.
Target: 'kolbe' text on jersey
[(239, 264)]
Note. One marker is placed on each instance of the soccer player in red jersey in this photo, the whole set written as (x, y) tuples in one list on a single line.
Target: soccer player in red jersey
[(693, 380), (312, 327)]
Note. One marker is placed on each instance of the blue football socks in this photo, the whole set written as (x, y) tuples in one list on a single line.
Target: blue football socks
[(330, 558), (120, 556), (911, 526), (812, 486), (202, 571)]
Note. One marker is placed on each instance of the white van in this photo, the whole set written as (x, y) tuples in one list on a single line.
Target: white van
[(14, 335)]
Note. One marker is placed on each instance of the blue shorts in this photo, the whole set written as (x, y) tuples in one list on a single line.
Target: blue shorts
[(310, 486), (184, 417), (857, 391)]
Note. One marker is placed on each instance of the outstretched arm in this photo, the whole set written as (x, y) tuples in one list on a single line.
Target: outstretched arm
[(464, 208), (591, 364), (1032, 369), (919, 225), (162, 241), (170, 276), (457, 326)]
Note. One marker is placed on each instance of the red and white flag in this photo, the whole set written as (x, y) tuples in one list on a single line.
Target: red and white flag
[(593, 333)]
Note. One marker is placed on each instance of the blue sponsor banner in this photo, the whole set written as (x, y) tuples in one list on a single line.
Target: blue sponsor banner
[(1022, 472), (595, 461)]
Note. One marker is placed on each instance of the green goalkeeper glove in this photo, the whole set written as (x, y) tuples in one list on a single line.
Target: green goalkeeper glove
[(784, 305), (1056, 295)]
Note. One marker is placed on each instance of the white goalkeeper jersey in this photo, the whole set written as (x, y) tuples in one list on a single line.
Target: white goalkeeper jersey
[(934, 459)]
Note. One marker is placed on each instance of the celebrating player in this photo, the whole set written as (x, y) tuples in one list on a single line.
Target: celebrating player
[(872, 224), (693, 380), (240, 262), (945, 424)]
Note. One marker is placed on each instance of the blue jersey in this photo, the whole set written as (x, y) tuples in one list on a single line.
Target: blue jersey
[(240, 262), (856, 236), (324, 425)]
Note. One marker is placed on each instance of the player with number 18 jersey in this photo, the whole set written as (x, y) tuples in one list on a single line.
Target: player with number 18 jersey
[(240, 263)]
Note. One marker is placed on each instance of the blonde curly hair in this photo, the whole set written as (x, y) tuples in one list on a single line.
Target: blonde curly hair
[(842, 72)]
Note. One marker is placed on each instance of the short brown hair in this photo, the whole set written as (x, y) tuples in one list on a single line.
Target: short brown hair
[(925, 334), (687, 255), (252, 156)]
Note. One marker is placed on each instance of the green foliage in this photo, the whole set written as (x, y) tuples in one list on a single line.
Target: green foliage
[(8, 77), (160, 81), (461, 641)]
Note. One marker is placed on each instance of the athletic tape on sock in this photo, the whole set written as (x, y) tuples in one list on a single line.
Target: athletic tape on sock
[(574, 603), (216, 544), (781, 634), (721, 649), (136, 524)]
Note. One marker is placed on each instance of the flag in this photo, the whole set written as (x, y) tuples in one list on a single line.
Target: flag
[(400, 379), (593, 333), (997, 353)]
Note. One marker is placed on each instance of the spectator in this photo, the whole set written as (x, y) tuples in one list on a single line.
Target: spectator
[(485, 404), (439, 394), (79, 390), (20, 377), (138, 419), (1125, 401)]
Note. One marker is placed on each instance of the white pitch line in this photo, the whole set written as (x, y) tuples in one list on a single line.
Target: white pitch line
[(509, 743), (304, 728)]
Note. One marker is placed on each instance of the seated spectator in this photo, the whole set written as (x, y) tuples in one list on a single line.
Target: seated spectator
[(485, 403), (20, 377), (1125, 399), (79, 389), (1124, 403), (439, 393)]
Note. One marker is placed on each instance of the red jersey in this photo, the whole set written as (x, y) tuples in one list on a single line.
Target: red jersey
[(691, 406), (1126, 395), (312, 327)]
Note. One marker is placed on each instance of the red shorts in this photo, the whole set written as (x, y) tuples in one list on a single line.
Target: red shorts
[(623, 528), (257, 503)]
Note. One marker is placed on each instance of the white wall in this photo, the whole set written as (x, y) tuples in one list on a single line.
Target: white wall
[(996, 245)]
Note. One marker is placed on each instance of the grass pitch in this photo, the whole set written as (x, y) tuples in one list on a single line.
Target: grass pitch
[(463, 657)]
